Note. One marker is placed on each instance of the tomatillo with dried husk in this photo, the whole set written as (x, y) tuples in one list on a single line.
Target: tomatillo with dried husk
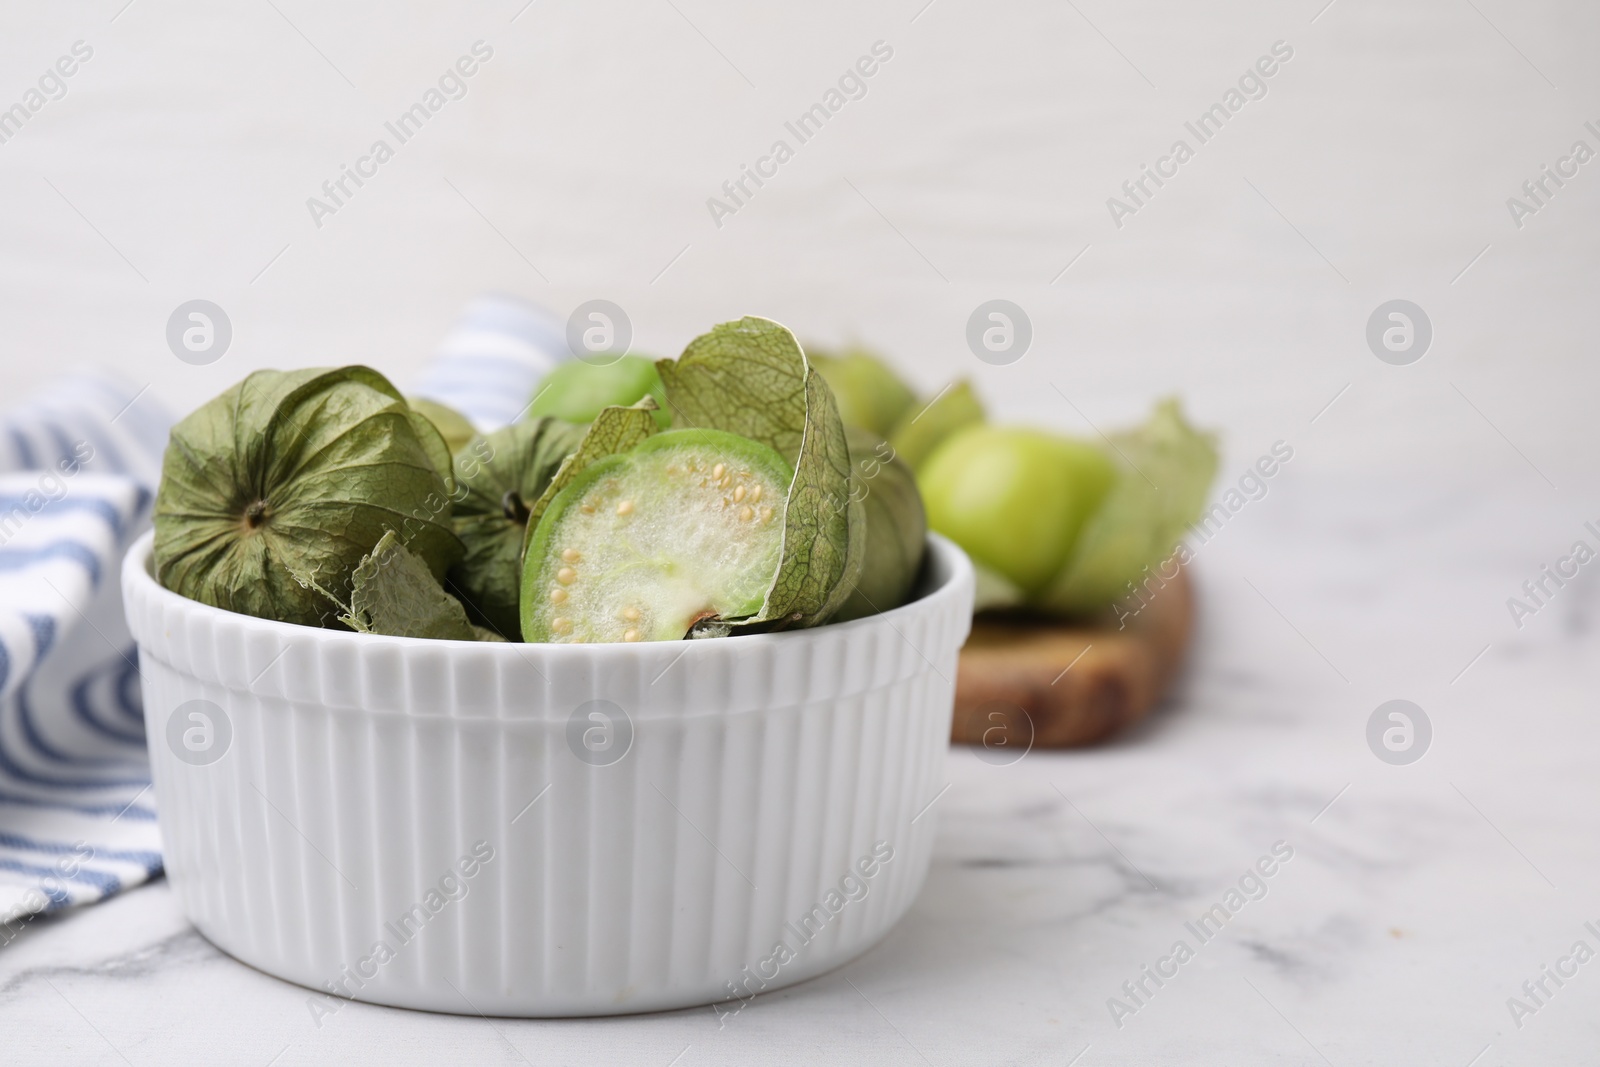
[(456, 429), (896, 526), (287, 480), (500, 476)]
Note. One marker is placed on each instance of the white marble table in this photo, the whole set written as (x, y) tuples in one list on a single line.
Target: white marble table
[(1417, 900)]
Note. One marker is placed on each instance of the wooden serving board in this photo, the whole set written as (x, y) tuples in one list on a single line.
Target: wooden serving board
[(1026, 682)]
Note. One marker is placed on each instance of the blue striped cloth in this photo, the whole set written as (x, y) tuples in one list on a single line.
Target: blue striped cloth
[(78, 467), (76, 819), (489, 363)]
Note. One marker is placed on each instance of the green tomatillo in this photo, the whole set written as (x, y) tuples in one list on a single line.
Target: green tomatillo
[(453, 426), (741, 520), (500, 477), (577, 391), (921, 430), (896, 526), (1164, 472), (643, 544), (1064, 526), (282, 485), (1014, 498), (870, 395)]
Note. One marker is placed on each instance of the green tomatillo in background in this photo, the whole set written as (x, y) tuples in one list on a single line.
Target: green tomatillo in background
[(870, 395), (1014, 498), (920, 432), (874, 398), (1164, 472), (577, 391), (1066, 526)]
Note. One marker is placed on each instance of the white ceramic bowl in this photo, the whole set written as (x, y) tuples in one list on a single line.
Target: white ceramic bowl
[(448, 825)]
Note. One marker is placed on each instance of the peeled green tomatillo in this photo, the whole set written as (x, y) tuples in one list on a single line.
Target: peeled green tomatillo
[(645, 543), (1014, 499), (577, 391)]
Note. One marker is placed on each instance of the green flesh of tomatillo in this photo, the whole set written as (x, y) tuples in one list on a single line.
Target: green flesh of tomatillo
[(642, 545)]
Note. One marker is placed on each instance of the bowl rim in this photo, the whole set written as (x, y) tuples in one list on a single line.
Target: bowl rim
[(941, 554)]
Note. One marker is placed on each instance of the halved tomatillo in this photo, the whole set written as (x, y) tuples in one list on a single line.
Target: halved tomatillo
[(642, 545)]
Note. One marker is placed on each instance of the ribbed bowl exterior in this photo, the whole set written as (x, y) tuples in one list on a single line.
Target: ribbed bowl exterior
[(443, 825)]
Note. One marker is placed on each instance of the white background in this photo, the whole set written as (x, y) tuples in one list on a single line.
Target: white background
[(990, 142), (1377, 167)]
